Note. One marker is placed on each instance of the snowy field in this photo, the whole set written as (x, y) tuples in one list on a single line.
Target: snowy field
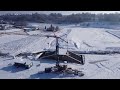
[(80, 39)]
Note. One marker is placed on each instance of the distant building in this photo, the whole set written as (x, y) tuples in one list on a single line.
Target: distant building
[(52, 28), (5, 26), (27, 29), (20, 25), (3, 22)]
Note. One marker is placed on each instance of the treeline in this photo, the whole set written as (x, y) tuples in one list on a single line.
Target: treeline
[(59, 18)]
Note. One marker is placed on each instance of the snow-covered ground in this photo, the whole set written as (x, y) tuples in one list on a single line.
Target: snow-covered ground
[(80, 39), (106, 25), (93, 39), (12, 30)]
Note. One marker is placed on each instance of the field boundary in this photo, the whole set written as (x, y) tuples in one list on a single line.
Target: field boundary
[(112, 34)]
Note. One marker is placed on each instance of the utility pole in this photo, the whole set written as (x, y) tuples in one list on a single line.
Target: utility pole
[(57, 50)]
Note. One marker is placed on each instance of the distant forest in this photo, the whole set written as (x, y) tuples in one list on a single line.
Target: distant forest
[(61, 19)]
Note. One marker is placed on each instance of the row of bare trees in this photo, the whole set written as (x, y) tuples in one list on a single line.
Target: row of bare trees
[(59, 18)]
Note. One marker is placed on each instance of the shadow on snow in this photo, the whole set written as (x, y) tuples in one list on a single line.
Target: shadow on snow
[(43, 76), (12, 69)]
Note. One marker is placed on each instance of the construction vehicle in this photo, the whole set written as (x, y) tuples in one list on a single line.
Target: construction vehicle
[(63, 69), (23, 65)]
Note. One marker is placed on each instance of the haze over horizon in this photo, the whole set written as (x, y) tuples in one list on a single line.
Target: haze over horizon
[(62, 12)]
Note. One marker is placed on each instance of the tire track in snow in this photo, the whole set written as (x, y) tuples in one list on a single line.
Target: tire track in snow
[(106, 68), (16, 45), (101, 68), (113, 34), (97, 65), (115, 66), (111, 70), (24, 49), (87, 44)]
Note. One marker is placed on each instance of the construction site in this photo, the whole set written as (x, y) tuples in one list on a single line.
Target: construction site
[(67, 52)]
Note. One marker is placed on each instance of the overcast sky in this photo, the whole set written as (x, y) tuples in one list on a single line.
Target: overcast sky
[(48, 12)]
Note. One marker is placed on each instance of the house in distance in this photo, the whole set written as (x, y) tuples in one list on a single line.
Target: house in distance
[(52, 28)]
